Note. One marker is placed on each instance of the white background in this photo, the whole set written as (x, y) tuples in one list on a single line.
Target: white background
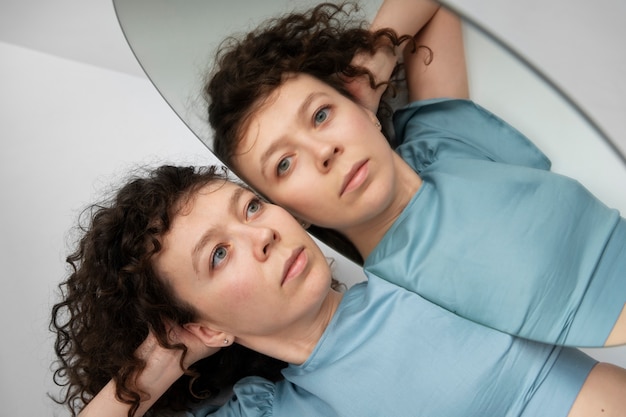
[(77, 112)]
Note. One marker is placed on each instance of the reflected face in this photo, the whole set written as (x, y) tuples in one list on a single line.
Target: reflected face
[(318, 154), (248, 268)]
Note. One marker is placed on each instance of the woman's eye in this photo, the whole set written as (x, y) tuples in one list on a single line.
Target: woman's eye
[(283, 166), (218, 256), (321, 115), (253, 207)]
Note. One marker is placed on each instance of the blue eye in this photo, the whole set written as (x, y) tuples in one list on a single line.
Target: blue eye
[(218, 256), (321, 115), (253, 207), (283, 166)]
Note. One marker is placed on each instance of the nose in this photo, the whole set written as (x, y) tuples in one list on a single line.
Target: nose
[(327, 152), (264, 240)]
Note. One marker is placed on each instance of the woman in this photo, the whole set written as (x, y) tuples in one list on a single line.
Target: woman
[(200, 266), (465, 212)]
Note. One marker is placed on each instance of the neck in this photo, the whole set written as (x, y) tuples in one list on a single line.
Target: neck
[(367, 235), (295, 345)]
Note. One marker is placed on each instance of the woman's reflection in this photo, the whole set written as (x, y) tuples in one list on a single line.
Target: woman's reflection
[(465, 212)]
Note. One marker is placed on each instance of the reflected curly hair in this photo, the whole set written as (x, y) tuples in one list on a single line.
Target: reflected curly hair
[(113, 297), (320, 42)]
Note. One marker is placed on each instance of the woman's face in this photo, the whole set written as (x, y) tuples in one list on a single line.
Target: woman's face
[(318, 154), (248, 268)]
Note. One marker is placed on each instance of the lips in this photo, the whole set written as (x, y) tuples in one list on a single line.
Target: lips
[(294, 266), (356, 176)]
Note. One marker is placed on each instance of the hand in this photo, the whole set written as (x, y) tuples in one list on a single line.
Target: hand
[(381, 65), (153, 353), (196, 350), (161, 371)]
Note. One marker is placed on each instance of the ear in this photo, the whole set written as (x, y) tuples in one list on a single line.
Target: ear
[(371, 114), (373, 117), (305, 225), (210, 337)]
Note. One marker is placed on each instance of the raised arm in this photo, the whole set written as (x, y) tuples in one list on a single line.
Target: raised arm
[(405, 17), (440, 70), (161, 371)]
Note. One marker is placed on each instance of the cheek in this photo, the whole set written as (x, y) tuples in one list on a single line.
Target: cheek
[(307, 203), (355, 123), (301, 191), (221, 302), (240, 291)]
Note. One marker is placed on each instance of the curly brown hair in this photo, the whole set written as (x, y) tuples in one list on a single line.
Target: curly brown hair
[(113, 297), (320, 42)]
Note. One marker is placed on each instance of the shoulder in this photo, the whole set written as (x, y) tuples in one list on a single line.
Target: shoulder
[(251, 397), (433, 129)]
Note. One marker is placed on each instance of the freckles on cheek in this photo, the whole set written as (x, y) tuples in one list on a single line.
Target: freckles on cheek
[(238, 294)]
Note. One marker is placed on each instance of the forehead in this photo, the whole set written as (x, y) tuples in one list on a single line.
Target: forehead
[(203, 212), (281, 110), (214, 197), (289, 97), (210, 201)]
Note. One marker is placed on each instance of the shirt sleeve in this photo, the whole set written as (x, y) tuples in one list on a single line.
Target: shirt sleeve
[(252, 397), (435, 129)]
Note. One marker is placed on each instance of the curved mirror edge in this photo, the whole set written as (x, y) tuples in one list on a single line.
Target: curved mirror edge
[(174, 43), (504, 82), (536, 69)]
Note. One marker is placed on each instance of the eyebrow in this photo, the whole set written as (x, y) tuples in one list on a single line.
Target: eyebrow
[(208, 235), (301, 112)]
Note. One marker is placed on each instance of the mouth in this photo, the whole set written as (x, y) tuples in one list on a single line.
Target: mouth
[(294, 266), (356, 176)]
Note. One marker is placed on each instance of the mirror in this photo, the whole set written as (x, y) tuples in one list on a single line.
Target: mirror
[(175, 41)]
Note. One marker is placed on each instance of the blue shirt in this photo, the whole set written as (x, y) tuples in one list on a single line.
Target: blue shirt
[(389, 352), (493, 236)]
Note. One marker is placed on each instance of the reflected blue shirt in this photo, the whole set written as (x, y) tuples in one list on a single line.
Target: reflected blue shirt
[(493, 236), (389, 352)]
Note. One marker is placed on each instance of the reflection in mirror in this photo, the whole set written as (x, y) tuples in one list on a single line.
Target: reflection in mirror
[(175, 41), (498, 81)]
